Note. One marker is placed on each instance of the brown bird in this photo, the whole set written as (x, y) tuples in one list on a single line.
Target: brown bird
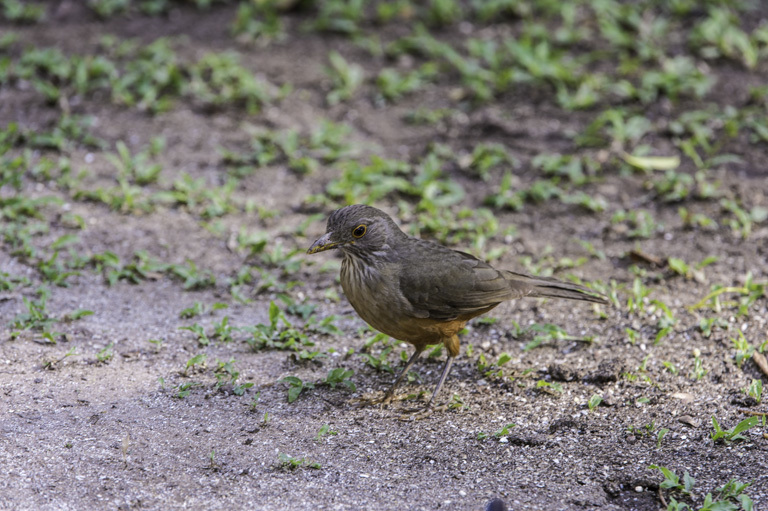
[(418, 291)]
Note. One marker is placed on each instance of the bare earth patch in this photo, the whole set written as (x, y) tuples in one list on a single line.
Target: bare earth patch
[(113, 415)]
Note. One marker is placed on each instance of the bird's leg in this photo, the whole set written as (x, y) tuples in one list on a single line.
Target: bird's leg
[(443, 376), (390, 393), (426, 411)]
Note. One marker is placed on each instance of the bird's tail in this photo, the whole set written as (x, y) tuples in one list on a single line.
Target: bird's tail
[(547, 287)]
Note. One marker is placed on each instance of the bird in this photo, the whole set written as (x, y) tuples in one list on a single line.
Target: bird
[(420, 291)]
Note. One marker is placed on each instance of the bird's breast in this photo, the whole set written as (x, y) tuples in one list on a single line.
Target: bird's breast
[(375, 294)]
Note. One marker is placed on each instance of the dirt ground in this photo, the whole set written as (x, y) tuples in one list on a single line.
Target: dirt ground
[(80, 433)]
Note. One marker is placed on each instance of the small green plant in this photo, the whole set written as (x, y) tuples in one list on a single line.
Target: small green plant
[(339, 375), (325, 326), (325, 429), (183, 390), (660, 436), (719, 35), (225, 372), (155, 7), (141, 267), (278, 334), (669, 366), (258, 22), (443, 12), (22, 12), (672, 481), (548, 332), (190, 312), (106, 353), (695, 220), (457, 403), (755, 390), (346, 78), (108, 8), (285, 260), (554, 388), (726, 496), (393, 85), (197, 360), (750, 292), (379, 362), (637, 300), (137, 167), (254, 401), (194, 278), (689, 271), (743, 220), (706, 325), (339, 16), (52, 365), (295, 387), (288, 462), (743, 349), (643, 367), (222, 331), (594, 401), (636, 224), (157, 343), (720, 435), (10, 282), (37, 316), (307, 356), (212, 465), (698, 372), (199, 331), (218, 80), (666, 321), (504, 431)]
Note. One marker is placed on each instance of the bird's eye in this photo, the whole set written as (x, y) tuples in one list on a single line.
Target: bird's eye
[(359, 231)]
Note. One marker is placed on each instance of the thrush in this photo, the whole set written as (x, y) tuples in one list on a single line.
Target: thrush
[(421, 292)]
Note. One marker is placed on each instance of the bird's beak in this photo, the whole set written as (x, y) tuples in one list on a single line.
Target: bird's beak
[(323, 243)]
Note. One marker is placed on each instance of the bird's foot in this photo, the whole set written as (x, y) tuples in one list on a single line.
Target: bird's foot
[(382, 401)]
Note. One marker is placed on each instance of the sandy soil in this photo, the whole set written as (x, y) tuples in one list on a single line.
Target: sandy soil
[(80, 433)]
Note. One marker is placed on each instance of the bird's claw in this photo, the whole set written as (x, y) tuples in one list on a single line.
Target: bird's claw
[(409, 414), (384, 400), (422, 412)]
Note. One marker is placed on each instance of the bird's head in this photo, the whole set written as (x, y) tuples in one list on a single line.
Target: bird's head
[(358, 230)]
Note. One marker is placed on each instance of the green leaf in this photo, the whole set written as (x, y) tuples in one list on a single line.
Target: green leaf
[(292, 380), (79, 313), (688, 482), (678, 265), (274, 312), (293, 393), (197, 359), (745, 425), (652, 162)]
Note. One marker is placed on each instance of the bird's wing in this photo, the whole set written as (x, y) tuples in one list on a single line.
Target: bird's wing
[(441, 283)]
